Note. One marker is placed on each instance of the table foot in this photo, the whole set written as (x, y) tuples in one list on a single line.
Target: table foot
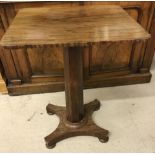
[(66, 129)]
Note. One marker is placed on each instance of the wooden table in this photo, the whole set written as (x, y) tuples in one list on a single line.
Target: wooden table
[(73, 29)]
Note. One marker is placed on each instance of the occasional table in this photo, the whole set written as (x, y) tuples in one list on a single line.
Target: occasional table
[(73, 28)]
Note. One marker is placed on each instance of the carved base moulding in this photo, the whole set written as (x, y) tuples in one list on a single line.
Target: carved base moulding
[(46, 87)]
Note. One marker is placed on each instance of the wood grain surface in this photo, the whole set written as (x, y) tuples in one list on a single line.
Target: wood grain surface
[(72, 26)]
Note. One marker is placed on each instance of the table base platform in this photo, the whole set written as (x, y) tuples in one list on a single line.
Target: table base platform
[(66, 129)]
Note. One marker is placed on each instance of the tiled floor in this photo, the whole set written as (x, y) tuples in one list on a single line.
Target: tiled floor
[(128, 112)]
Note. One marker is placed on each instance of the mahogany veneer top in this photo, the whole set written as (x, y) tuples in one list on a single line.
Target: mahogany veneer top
[(72, 25)]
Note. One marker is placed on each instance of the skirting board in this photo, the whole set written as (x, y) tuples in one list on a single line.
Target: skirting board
[(59, 86)]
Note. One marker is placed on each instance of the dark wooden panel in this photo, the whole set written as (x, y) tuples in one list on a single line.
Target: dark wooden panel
[(22, 64), (109, 56), (150, 48), (6, 55), (46, 60)]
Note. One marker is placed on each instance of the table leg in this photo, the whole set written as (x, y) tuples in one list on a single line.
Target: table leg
[(73, 72), (76, 118)]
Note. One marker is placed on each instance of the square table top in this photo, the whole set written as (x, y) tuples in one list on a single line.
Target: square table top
[(72, 26)]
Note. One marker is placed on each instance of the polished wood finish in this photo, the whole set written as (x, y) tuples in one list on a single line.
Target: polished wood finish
[(75, 26), (104, 64), (74, 83), (86, 127), (76, 118)]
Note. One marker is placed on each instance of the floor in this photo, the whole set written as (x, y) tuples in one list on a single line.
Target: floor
[(128, 112)]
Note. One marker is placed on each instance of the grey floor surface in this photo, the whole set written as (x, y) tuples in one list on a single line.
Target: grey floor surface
[(128, 112)]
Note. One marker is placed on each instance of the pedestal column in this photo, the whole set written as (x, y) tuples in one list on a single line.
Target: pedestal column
[(73, 72)]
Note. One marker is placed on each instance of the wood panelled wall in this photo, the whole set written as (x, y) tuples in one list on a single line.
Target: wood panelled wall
[(38, 70)]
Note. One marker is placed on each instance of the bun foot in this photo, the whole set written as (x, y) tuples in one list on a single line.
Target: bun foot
[(50, 113), (50, 146), (106, 139)]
